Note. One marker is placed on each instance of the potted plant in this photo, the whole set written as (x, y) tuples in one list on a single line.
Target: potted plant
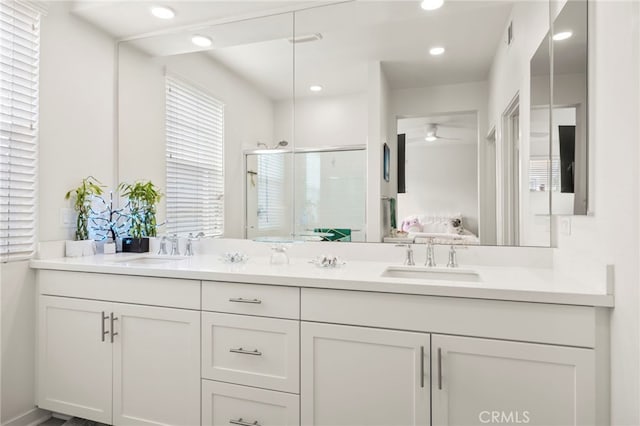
[(143, 197), (82, 196)]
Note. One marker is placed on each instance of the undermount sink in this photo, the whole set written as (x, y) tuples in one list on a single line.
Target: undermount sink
[(150, 260), (438, 274)]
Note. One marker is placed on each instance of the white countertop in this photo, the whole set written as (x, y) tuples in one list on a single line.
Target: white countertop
[(540, 285)]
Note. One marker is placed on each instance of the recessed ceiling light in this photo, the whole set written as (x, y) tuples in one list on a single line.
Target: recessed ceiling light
[(315, 88), (162, 12), (431, 4), (562, 35), (201, 41), (435, 51)]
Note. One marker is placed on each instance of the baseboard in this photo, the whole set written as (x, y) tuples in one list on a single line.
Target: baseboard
[(33, 417)]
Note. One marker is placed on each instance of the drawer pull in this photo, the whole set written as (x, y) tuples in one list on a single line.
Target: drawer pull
[(421, 366), (439, 368), (241, 422), (104, 331), (113, 333), (246, 352), (243, 300)]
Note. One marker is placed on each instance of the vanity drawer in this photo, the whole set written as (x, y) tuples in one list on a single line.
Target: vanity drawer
[(225, 404), (251, 299), (168, 292), (495, 319), (261, 352)]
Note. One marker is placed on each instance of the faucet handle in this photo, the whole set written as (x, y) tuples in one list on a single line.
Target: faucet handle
[(409, 259), (163, 245), (189, 249), (453, 257), (430, 260), (175, 245)]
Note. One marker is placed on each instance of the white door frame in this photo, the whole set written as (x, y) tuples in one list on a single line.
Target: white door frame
[(510, 173)]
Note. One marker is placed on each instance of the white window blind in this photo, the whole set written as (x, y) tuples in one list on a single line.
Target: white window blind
[(271, 206), (539, 174), (19, 60), (195, 145)]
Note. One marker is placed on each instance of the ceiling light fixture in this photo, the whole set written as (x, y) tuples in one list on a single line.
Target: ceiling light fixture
[(201, 41), (562, 35), (431, 4), (435, 51), (431, 138), (162, 12), (315, 88)]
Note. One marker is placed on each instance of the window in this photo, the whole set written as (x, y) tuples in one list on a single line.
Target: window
[(195, 177), (271, 207), (19, 57), (539, 174)]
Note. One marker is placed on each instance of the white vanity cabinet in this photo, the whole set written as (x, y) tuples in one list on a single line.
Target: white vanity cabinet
[(117, 363), (364, 376), (134, 350), (512, 369), (481, 381)]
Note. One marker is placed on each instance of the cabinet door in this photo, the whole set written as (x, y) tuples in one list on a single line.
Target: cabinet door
[(480, 381), (156, 362), (227, 404), (363, 376), (74, 358)]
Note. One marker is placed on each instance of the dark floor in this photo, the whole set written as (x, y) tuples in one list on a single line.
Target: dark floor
[(52, 422)]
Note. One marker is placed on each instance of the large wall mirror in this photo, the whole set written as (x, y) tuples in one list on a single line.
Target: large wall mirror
[(466, 124)]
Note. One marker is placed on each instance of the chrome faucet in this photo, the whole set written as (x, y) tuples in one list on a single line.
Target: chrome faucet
[(163, 245), (431, 257), (453, 256), (409, 258), (175, 248), (189, 249)]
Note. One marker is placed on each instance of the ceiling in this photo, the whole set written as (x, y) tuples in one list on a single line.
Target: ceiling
[(454, 129), (397, 33), (131, 18)]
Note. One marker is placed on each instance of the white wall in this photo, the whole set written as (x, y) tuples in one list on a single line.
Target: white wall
[(456, 98), (18, 340), (611, 235), (510, 76), (441, 179), (324, 121), (249, 117), (76, 112), (378, 132), (76, 140)]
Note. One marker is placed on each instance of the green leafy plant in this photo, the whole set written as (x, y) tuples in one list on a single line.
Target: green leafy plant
[(143, 197), (82, 196)]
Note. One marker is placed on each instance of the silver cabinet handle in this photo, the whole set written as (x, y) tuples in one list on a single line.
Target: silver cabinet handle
[(113, 333), (103, 332), (421, 366), (246, 352), (243, 422), (243, 300), (439, 368)]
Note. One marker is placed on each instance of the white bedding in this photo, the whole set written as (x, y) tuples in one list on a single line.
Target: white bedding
[(467, 238)]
